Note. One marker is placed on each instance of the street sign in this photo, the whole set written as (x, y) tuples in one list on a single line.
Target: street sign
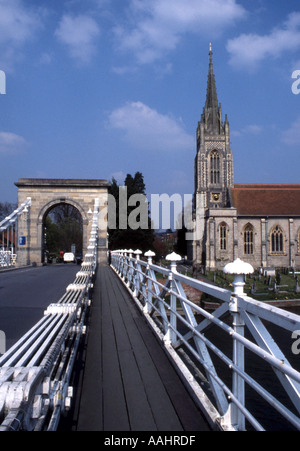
[(22, 240)]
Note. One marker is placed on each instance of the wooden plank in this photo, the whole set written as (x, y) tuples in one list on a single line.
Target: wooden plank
[(156, 361), (140, 415), (163, 411), (129, 383), (191, 417), (90, 398), (115, 417)]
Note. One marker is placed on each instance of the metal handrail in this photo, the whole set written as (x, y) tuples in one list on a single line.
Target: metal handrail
[(182, 325), (35, 373), (9, 230)]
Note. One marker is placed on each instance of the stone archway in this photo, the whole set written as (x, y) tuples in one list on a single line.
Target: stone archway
[(47, 193), (52, 206)]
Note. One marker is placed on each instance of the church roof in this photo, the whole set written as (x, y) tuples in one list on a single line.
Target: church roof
[(266, 200)]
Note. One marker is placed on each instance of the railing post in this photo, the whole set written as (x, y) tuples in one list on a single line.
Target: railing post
[(171, 335), (239, 269), (137, 268), (130, 273), (149, 256), (124, 265), (121, 263)]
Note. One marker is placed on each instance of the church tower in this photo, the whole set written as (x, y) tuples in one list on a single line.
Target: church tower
[(213, 163)]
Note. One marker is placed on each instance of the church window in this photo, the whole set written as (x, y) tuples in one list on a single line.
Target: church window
[(277, 240), (215, 178), (223, 237), (248, 240), (298, 239)]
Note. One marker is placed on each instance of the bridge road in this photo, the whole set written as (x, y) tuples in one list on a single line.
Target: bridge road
[(127, 381), (26, 293)]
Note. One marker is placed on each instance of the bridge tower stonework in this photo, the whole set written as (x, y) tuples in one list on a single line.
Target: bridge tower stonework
[(46, 194)]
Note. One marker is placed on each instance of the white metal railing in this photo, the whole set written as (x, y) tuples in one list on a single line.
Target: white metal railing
[(35, 373), (7, 258), (184, 329), (11, 228)]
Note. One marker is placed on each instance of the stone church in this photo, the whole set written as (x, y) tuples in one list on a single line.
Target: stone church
[(258, 223)]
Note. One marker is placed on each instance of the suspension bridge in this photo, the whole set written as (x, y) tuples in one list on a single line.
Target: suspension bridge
[(125, 348)]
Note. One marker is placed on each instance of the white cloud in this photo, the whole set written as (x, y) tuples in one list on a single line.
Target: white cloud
[(10, 143), (148, 130), (291, 136), (79, 34), (158, 25), (18, 24), (248, 50), (46, 58), (252, 129)]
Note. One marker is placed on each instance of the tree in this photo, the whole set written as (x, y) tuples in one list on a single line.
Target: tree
[(140, 237), (6, 209), (160, 247), (63, 227), (181, 245)]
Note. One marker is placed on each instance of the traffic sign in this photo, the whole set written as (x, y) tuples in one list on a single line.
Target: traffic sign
[(22, 240)]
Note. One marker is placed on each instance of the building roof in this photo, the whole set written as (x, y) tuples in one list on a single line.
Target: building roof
[(61, 183), (266, 200)]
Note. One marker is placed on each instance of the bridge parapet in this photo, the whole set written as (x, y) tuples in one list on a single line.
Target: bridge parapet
[(35, 373), (14, 236), (215, 366)]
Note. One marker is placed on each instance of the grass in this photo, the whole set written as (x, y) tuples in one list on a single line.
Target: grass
[(264, 287)]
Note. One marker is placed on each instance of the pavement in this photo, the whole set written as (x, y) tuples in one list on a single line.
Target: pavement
[(26, 292)]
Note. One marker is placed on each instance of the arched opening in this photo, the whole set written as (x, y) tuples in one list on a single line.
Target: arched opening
[(223, 236), (248, 240), (277, 240), (215, 168), (62, 233)]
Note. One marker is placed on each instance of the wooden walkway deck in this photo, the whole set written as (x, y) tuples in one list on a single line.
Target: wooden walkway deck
[(128, 383)]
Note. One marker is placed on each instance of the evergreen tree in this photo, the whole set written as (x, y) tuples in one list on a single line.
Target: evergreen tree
[(141, 237)]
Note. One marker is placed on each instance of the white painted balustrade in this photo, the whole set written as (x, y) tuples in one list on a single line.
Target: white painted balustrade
[(12, 228), (184, 330), (35, 373)]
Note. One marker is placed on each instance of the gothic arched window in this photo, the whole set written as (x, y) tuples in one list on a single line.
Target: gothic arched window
[(248, 240), (277, 240), (215, 177), (223, 236)]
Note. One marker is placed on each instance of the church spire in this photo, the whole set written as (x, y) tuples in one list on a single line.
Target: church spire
[(212, 110)]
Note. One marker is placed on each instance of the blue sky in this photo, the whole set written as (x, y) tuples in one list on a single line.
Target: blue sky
[(102, 88)]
